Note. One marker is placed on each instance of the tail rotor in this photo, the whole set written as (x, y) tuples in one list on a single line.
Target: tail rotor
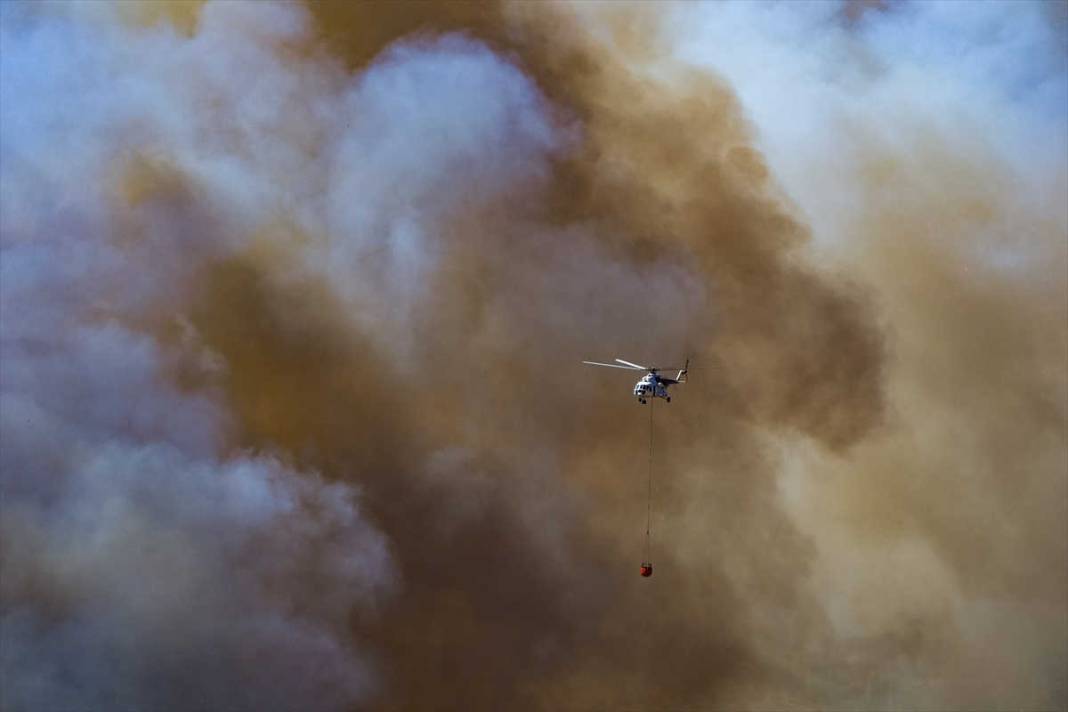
[(681, 378)]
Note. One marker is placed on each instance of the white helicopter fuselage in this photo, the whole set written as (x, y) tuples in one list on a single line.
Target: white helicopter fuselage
[(650, 386)]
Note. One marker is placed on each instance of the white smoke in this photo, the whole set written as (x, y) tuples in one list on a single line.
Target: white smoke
[(143, 567), (425, 112)]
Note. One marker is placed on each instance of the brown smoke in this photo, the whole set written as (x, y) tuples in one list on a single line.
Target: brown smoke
[(858, 495), (511, 490)]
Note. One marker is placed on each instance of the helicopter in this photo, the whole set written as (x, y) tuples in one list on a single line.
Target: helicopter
[(652, 384)]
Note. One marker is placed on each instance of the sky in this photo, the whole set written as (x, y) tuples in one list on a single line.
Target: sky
[(293, 304)]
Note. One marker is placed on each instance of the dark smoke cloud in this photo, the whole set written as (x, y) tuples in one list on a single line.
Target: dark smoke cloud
[(288, 413)]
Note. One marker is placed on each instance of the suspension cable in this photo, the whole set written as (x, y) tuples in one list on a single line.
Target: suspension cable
[(649, 494)]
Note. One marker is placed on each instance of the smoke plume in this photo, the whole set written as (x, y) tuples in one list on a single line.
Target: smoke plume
[(294, 300)]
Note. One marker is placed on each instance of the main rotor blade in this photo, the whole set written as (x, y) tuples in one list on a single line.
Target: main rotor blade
[(612, 365), (632, 365)]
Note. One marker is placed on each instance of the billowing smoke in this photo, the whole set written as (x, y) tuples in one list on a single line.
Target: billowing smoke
[(293, 304), (148, 561)]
